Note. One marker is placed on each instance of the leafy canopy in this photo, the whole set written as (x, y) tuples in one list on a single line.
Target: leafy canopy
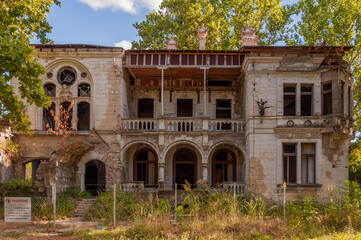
[(224, 20), (20, 21)]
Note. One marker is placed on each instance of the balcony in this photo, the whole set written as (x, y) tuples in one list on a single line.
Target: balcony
[(182, 125)]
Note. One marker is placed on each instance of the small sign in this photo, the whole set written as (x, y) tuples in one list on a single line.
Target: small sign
[(17, 209)]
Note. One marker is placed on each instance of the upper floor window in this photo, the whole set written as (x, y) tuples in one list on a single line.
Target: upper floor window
[(184, 107), (289, 100), (145, 108), (66, 76), (50, 89), (289, 163), (327, 98), (223, 108), (84, 90), (306, 100)]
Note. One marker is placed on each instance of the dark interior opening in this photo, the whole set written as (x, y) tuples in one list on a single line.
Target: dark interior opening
[(306, 100), (94, 177), (146, 167), (289, 163), (289, 100), (145, 108), (327, 98), (185, 167), (215, 83), (223, 108), (83, 116), (184, 107)]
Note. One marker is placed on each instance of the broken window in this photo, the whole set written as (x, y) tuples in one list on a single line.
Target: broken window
[(289, 100), (145, 107), (308, 163), (84, 90), (145, 167), (50, 89), (83, 116), (223, 108), (66, 115), (327, 98), (66, 76), (350, 102), (289, 163), (224, 167), (48, 117), (306, 100), (184, 107), (342, 96)]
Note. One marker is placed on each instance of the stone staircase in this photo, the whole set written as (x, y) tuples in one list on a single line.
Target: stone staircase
[(83, 207)]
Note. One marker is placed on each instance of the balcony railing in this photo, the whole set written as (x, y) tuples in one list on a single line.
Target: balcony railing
[(182, 125)]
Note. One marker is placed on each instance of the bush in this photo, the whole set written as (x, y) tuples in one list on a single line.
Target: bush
[(76, 193), (17, 188)]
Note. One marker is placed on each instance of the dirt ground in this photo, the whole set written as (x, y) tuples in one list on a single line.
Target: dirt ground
[(44, 230)]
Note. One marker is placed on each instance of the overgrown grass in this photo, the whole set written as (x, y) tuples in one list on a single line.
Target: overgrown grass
[(211, 214)]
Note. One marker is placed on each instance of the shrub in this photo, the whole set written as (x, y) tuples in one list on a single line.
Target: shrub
[(17, 187)]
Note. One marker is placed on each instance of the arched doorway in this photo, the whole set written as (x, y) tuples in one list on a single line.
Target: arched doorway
[(185, 167), (94, 177), (223, 167), (145, 167)]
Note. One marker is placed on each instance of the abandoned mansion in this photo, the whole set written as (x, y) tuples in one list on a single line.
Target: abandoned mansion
[(251, 118)]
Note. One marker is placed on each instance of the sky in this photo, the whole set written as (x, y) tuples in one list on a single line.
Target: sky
[(99, 22)]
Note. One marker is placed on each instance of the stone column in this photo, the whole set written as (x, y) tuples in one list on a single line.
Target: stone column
[(161, 166), (205, 171), (81, 174)]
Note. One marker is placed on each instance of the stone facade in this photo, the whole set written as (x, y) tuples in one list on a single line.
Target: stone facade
[(162, 117)]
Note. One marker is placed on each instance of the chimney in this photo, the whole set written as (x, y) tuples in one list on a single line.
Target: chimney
[(171, 44), (249, 37), (202, 33)]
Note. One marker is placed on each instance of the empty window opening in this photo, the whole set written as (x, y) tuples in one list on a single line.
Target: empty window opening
[(308, 163), (306, 100), (224, 167), (66, 76), (30, 169), (289, 163), (49, 117), (84, 90), (326, 98), (215, 83), (83, 116), (145, 107), (223, 108), (50, 90), (184, 107), (350, 102), (289, 100), (66, 115), (145, 167)]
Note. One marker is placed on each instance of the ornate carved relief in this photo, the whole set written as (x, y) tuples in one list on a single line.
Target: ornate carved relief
[(65, 92), (298, 133)]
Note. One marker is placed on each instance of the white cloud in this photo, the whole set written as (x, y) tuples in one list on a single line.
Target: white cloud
[(130, 6), (124, 44)]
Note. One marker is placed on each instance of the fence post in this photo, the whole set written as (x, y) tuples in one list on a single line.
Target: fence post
[(284, 185), (114, 199), (175, 202), (53, 195), (234, 192)]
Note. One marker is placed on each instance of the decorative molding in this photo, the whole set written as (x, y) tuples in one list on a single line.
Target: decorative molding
[(298, 133)]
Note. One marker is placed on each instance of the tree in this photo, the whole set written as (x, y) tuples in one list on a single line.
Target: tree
[(223, 18), (20, 21)]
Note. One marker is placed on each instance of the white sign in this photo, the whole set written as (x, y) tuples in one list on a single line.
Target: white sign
[(17, 209)]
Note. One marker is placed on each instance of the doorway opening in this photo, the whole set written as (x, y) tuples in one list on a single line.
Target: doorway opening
[(185, 167), (95, 177)]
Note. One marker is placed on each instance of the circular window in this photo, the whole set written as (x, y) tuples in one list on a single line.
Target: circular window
[(84, 75), (66, 76)]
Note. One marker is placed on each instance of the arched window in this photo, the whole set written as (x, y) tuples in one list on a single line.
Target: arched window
[(83, 116), (223, 167), (66, 115), (50, 89), (145, 167), (66, 76), (84, 90), (48, 117)]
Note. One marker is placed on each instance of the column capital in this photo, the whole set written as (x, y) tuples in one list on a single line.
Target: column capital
[(161, 164)]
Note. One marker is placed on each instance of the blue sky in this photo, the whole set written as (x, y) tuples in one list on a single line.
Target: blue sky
[(99, 22)]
